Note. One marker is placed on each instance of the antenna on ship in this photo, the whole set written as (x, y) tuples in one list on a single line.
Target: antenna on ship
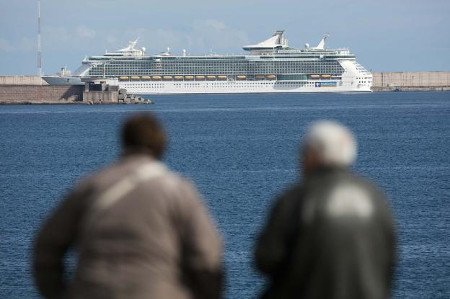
[(39, 47)]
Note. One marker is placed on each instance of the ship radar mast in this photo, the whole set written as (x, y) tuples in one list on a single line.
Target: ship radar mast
[(39, 46)]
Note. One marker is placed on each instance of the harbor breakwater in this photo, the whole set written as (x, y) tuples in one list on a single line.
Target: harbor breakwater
[(34, 90), (40, 94), (411, 81)]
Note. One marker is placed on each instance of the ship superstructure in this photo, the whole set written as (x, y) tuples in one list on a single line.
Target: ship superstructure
[(269, 66)]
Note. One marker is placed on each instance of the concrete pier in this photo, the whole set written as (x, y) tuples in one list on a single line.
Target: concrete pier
[(22, 80), (40, 94), (411, 81), (34, 90), (100, 93)]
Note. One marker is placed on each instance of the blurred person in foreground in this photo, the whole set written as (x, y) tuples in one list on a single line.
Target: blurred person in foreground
[(139, 230), (332, 235)]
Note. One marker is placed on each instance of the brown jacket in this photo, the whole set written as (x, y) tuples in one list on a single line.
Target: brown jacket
[(155, 241)]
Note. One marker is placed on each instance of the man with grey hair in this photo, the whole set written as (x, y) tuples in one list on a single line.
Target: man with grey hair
[(331, 236)]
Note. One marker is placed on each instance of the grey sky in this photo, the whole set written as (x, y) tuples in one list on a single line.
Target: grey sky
[(386, 35)]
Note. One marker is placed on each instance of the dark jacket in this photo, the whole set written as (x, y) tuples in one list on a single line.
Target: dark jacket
[(155, 241), (331, 237)]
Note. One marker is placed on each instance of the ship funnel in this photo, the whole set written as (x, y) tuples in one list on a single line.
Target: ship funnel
[(277, 41), (321, 45)]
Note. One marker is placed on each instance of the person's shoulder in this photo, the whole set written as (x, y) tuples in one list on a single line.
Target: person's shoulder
[(293, 190), (365, 182), (173, 180), (289, 197), (370, 188), (99, 178), (100, 173), (179, 192)]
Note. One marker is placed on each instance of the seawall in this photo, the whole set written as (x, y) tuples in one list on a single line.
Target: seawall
[(411, 81), (40, 94), (34, 90), (22, 80)]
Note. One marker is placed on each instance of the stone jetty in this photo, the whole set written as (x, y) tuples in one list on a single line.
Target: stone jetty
[(34, 90)]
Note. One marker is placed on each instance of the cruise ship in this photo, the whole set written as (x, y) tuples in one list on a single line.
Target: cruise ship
[(268, 66)]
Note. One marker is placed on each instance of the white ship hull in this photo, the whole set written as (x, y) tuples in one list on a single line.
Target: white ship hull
[(267, 67), (62, 80), (192, 87)]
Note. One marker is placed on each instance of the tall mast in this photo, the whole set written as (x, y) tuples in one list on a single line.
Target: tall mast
[(39, 48)]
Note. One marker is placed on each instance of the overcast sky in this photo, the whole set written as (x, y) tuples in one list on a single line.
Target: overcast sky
[(386, 35)]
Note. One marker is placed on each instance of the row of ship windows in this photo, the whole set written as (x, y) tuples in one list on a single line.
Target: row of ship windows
[(240, 86), (221, 85), (197, 85), (206, 63), (218, 65), (217, 69), (247, 68), (131, 72), (226, 66)]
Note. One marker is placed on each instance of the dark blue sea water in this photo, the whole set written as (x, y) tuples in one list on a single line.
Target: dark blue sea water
[(241, 150)]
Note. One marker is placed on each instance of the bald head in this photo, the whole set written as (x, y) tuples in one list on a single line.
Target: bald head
[(328, 144)]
